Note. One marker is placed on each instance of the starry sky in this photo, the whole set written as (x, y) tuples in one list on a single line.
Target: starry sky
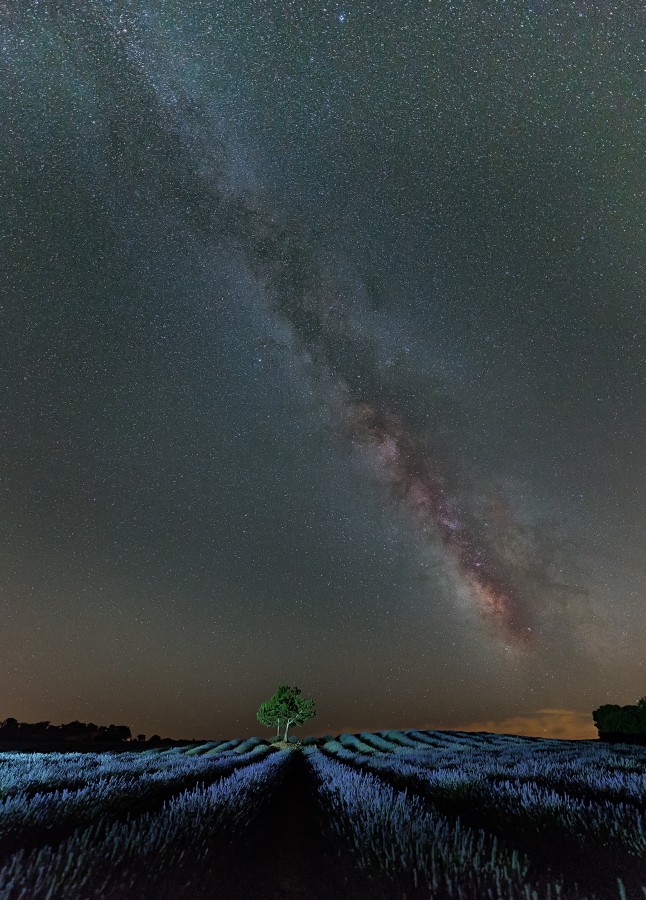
[(322, 362)]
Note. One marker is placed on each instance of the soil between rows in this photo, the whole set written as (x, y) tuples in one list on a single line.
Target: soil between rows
[(292, 864)]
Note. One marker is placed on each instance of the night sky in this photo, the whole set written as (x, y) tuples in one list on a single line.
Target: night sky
[(322, 362)]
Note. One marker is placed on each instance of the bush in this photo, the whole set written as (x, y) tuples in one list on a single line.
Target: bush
[(376, 741), (200, 749), (398, 737), (613, 719), (354, 743), (249, 744)]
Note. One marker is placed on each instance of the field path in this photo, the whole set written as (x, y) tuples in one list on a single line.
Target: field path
[(292, 867)]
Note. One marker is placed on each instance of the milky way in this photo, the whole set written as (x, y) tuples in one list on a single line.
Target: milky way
[(330, 328), (416, 476), (187, 174), (416, 480)]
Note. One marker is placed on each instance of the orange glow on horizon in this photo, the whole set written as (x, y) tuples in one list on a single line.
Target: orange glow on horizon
[(565, 724), (560, 723)]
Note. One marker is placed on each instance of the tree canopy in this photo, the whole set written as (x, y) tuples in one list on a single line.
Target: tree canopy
[(286, 707), (270, 712), (626, 719)]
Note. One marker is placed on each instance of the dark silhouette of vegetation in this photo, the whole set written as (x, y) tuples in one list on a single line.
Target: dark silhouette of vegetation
[(612, 720), (72, 732), (81, 735), (286, 707)]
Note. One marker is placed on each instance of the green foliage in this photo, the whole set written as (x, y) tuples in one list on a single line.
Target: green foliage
[(286, 707), (621, 719), (605, 716), (265, 715), (633, 720), (270, 713)]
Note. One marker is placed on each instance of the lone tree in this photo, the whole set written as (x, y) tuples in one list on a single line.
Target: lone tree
[(270, 713), (286, 706)]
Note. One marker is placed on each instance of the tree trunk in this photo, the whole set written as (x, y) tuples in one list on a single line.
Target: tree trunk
[(289, 722), (277, 729)]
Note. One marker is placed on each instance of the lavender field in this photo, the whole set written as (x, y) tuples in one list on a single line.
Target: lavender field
[(397, 814)]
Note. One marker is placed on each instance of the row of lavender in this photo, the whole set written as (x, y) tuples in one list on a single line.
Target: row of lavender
[(594, 771), (394, 837), (174, 846), (437, 814), (390, 799), (31, 772), (90, 788)]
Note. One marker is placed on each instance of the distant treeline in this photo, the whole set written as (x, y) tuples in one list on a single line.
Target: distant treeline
[(75, 732), (613, 720)]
